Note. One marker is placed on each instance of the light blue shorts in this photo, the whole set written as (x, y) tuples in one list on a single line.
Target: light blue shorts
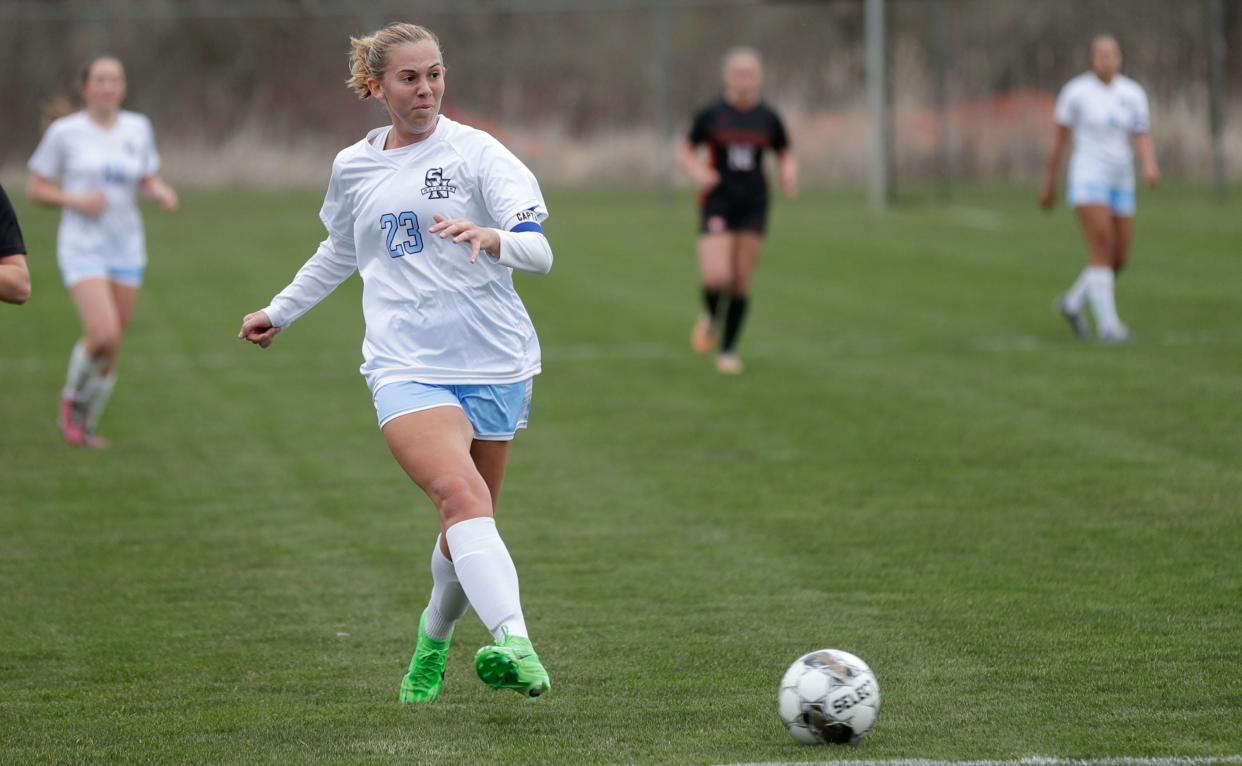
[(495, 412), (1119, 199)]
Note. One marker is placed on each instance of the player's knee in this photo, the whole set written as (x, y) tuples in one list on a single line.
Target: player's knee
[(103, 340), (458, 498)]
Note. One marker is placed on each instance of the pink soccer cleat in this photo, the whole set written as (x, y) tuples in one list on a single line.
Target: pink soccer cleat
[(73, 428)]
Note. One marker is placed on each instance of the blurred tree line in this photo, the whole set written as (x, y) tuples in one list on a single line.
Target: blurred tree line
[(596, 72)]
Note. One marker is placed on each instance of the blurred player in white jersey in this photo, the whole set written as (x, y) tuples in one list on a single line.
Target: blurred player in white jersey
[(435, 216), (1106, 111), (91, 164)]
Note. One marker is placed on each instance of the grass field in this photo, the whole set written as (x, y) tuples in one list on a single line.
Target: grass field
[(1036, 542)]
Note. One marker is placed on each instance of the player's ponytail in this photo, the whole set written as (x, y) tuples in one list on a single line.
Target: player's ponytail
[(55, 108), (368, 56), (358, 72)]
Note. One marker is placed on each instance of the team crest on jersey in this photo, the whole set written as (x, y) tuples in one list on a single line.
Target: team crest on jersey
[(436, 186)]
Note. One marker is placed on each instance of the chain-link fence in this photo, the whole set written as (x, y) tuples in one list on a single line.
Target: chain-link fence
[(600, 92)]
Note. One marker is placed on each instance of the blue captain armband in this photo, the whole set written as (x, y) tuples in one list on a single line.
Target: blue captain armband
[(526, 226)]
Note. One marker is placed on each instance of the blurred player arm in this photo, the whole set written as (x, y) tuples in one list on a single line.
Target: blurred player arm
[(14, 279), (157, 189), (703, 174), (332, 264), (47, 192), (151, 186), (1147, 155), (14, 276), (787, 168), (1060, 140)]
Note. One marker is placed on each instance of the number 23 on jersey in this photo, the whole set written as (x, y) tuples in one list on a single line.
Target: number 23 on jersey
[(407, 223)]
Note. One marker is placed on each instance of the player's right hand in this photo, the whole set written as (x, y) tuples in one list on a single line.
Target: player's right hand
[(91, 203), (708, 179), (258, 329)]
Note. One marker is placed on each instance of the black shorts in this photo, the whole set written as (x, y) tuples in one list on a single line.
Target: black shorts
[(728, 211)]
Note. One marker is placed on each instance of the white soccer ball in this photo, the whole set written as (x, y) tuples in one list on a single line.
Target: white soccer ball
[(828, 697)]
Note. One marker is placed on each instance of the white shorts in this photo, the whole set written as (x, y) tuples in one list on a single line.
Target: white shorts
[(1092, 182), (92, 252)]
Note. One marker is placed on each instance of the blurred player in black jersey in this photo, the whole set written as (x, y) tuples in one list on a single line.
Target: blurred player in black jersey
[(733, 194), (14, 277)]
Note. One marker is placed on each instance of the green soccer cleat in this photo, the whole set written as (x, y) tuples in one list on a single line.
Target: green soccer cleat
[(425, 679), (512, 663)]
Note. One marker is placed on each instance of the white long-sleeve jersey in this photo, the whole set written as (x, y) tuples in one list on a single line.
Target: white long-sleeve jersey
[(431, 315)]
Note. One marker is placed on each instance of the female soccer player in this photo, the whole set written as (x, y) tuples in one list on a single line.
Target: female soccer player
[(435, 216), (91, 164), (733, 194), (14, 276), (1106, 111)]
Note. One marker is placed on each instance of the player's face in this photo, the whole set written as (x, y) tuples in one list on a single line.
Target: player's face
[(413, 86), (1105, 58), (104, 89), (743, 75)]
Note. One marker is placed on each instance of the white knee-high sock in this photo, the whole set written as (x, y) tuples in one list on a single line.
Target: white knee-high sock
[(1100, 294), (448, 601), (96, 392), (487, 575), (82, 368), (1077, 294)]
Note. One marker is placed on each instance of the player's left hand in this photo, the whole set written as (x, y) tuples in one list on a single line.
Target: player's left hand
[(158, 190), (462, 230), (1152, 175), (168, 199)]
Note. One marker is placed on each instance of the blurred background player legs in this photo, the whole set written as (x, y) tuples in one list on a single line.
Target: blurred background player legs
[(1108, 241), (745, 256), (716, 273), (105, 309), (727, 261)]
